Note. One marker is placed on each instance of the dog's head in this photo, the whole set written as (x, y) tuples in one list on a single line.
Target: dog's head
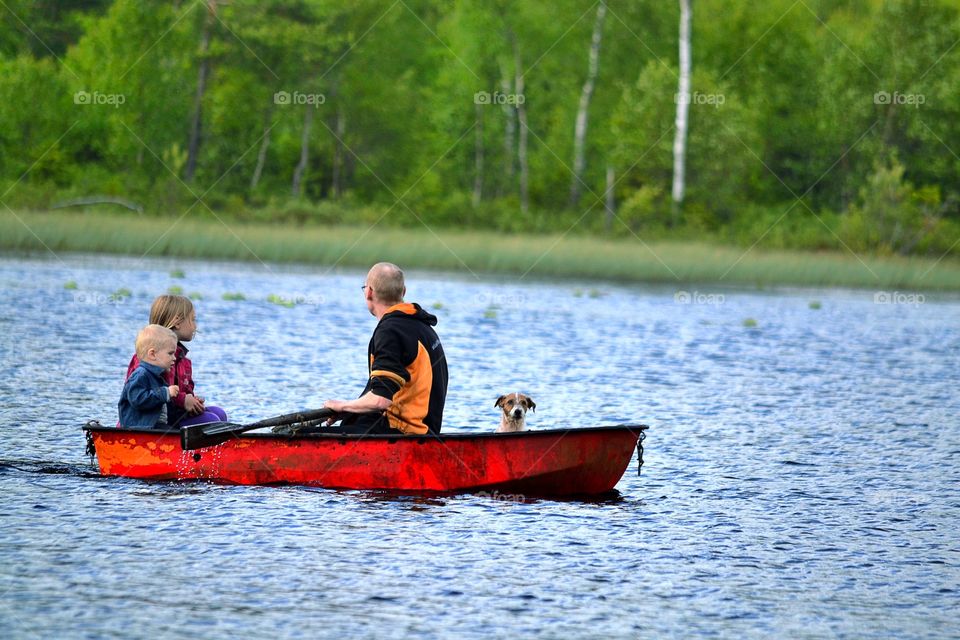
[(515, 405)]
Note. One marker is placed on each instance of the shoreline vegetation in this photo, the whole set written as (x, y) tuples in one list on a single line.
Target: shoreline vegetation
[(535, 254), (756, 144)]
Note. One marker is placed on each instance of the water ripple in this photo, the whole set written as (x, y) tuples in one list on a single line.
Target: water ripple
[(801, 476)]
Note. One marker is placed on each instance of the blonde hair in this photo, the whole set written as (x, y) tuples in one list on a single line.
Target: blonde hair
[(386, 280), (169, 310), (153, 336)]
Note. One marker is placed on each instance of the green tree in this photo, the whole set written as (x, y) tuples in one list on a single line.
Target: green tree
[(133, 66), (33, 118)]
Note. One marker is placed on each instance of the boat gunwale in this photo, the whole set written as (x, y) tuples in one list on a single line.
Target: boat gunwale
[(638, 428)]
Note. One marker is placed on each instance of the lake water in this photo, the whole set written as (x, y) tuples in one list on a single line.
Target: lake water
[(802, 476)]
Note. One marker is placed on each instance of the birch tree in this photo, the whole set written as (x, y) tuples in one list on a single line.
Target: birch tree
[(509, 126), (478, 157), (337, 171), (264, 145), (296, 186), (683, 104), (264, 38), (524, 130), (580, 129), (196, 120), (610, 206)]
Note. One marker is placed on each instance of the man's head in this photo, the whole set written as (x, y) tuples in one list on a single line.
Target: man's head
[(384, 287), (157, 345)]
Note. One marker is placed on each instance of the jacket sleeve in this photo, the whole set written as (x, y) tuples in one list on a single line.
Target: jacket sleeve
[(142, 396), (388, 373), (182, 379), (181, 374)]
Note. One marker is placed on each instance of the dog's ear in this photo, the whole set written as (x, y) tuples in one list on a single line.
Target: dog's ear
[(528, 401), (499, 402)]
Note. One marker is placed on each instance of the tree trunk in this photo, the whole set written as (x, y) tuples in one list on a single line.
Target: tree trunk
[(846, 195), (683, 104), (340, 127), (611, 204), (304, 151), (478, 157), (264, 145), (508, 132), (196, 124), (580, 129), (141, 91), (522, 118)]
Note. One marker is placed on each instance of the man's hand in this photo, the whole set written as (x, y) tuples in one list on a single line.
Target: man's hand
[(173, 390), (337, 406)]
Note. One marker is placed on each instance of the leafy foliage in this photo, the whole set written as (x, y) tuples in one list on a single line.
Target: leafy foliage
[(815, 125)]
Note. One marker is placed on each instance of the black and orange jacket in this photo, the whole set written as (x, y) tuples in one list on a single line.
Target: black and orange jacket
[(408, 366)]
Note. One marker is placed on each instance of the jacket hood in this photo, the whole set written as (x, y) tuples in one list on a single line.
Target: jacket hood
[(410, 310)]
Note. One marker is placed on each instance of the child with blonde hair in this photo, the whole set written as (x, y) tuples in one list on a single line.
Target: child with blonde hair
[(177, 314), (143, 402)]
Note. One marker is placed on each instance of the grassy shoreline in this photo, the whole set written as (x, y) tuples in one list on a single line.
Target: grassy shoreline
[(474, 251)]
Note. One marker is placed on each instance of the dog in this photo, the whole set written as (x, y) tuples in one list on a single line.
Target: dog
[(514, 407)]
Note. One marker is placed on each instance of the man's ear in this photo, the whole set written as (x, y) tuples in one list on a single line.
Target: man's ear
[(499, 402)]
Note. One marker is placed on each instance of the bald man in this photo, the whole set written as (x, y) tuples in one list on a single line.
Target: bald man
[(407, 387)]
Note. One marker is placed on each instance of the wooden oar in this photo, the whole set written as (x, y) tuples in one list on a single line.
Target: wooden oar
[(197, 436)]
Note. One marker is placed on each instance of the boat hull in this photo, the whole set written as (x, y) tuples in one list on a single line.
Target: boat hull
[(548, 462)]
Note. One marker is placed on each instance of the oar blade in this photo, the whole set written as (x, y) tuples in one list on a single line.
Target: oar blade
[(198, 436)]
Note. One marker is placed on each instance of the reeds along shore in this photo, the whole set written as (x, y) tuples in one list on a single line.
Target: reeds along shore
[(480, 252)]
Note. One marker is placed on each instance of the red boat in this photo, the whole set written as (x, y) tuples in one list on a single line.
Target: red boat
[(554, 462)]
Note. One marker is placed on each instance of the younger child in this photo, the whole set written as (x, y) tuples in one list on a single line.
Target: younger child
[(143, 402), (177, 313)]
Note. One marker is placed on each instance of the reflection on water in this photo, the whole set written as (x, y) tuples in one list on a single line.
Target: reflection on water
[(801, 476)]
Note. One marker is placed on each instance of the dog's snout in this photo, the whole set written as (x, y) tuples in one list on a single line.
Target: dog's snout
[(517, 413)]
